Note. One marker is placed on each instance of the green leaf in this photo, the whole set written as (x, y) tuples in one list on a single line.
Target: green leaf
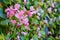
[(28, 6), (1, 1), (34, 21), (35, 37), (2, 37), (5, 22), (35, 3), (1, 14), (8, 35), (7, 1), (50, 38), (22, 37)]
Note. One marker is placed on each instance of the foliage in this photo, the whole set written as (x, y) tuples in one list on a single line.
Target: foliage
[(41, 19)]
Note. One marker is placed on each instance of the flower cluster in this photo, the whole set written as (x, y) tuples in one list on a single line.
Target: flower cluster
[(21, 15), (31, 20)]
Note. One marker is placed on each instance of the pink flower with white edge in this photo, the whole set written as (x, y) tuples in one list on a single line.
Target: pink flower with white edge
[(24, 21), (17, 15), (13, 21), (53, 5), (33, 12), (21, 13), (49, 10), (6, 10), (25, 2), (32, 8), (18, 25), (17, 6), (18, 37), (27, 28), (8, 15), (24, 8), (23, 33)]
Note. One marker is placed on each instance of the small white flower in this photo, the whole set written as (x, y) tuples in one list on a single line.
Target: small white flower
[(55, 10), (18, 38), (49, 10), (38, 14), (38, 17), (42, 10), (51, 19), (39, 35), (38, 28), (31, 39), (45, 21), (24, 8)]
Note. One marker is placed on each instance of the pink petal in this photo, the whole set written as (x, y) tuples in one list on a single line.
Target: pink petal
[(17, 6), (24, 33), (13, 21), (17, 16)]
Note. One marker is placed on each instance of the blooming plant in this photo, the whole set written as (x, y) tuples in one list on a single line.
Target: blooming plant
[(30, 20)]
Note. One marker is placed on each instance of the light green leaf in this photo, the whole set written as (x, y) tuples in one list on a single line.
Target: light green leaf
[(35, 37), (5, 22)]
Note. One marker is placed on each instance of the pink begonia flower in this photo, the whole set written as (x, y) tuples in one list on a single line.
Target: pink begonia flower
[(29, 13), (21, 13), (10, 12), (18, 25), (17, 15), (11, 7), (23, 33), (49, 10), (32, 8), (6, 10), (27, 28), (8, 15), (24, 21), (33, 12), (13, 21), (9, 39), (17, 6)]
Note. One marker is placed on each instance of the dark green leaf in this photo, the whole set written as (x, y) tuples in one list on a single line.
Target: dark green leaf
[(1, 14)]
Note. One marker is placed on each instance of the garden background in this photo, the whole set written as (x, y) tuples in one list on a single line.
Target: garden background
[(29, 19)]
